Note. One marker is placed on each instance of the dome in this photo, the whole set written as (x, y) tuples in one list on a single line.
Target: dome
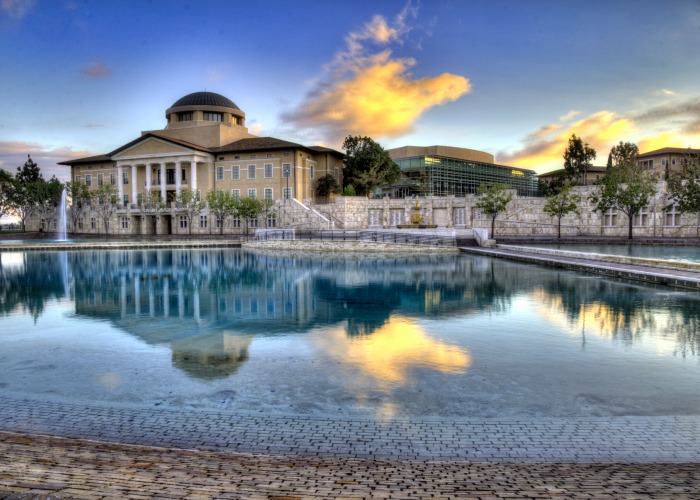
[(204, 99)]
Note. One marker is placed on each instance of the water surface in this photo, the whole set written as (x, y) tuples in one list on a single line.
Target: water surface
[(449, 336)]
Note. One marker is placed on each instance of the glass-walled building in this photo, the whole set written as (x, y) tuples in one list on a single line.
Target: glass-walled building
[(444, 171)]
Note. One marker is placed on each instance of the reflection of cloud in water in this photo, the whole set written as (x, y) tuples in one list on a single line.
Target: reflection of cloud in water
[(391, 352), (636, 325)]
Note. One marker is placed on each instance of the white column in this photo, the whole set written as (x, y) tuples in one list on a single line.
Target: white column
[(180, 300), (120, 186), (151, 300), (162, 181), (148, 177), (133, 184), (193, 176), (178, 176)]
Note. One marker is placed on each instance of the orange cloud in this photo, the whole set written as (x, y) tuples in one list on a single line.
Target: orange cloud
[(670, 124), (96, 69), (372, 93), (13, 154)]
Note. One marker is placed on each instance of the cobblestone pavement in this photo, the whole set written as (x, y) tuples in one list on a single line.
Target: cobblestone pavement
[(174, 453), (43, 467)]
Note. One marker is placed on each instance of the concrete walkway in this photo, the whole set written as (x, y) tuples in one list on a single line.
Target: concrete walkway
[(685, 278), (263, 456)]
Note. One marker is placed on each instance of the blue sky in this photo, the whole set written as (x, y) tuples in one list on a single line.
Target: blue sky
[(513, 78)]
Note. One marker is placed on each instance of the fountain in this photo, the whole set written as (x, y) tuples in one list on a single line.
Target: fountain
[(61, 224)]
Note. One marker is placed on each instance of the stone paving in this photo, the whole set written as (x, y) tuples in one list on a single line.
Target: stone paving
[(266, 456), (43, 467)]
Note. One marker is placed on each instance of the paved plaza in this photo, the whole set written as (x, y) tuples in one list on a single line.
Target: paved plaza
[(179, 453)]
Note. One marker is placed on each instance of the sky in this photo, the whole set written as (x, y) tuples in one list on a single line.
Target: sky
[(510, 77)]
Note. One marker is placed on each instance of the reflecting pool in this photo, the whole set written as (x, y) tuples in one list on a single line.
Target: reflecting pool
[(384, 336)]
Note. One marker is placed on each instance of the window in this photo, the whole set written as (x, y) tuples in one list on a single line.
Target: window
[(374, 218), (237, 157), (271, 220), (219, 173), (183, 222), (203, 221), (251, 171), (673, 216), (100, 180), (286, 154), (186, 117), (268, 170), (125, 177), (460, 216), (312, 171), (253, 223), (88, 180), (124, 222), (252, 193), (213, 117), (646, 164), (236, 221), (112, 179), (78, 179), (236, 172), (236, 193), (286, 169), (287, 193), (252, 157), (184, 175), (610, 217), (663, 162), (673, 160), (93, 223), (126, 199), (269, 155), (80, 223), (219, 222), (642, 218), (268, 194)]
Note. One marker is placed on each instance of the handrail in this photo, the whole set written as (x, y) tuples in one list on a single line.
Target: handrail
[(362, 235)]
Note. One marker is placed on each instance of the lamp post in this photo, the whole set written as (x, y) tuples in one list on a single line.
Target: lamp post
[(585, 163)]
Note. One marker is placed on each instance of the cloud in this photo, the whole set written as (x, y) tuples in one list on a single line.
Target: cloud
[(13, 154), (17, 9), (667, 92), (218, 74), (569, 116), (366, 90), (672, 124), (96, 70), (544, 149)]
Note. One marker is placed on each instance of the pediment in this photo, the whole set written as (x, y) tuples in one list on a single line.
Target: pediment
[(152, 146)]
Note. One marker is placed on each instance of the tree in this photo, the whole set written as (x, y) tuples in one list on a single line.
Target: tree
[(47, 196), (577, 158), (684, 186), (493, 199), (221, 206), (6, 190), (349, 190), (79, 195), (189, 202), (25, 191), (624, 187), (105, 199), (327, 185), (367, 165), (248, 208), (560, 204), (152, 205), (622, 153)]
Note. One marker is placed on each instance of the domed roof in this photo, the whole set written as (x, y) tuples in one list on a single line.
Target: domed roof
[(204, 99)]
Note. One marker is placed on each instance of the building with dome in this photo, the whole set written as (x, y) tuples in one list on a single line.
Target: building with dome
[(205, 146)]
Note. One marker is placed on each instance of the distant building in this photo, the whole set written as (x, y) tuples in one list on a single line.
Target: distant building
[(593, 174), (666, 161), (445, 171)]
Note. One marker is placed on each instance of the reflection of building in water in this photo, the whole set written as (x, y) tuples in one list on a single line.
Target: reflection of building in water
[(214, 355)]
